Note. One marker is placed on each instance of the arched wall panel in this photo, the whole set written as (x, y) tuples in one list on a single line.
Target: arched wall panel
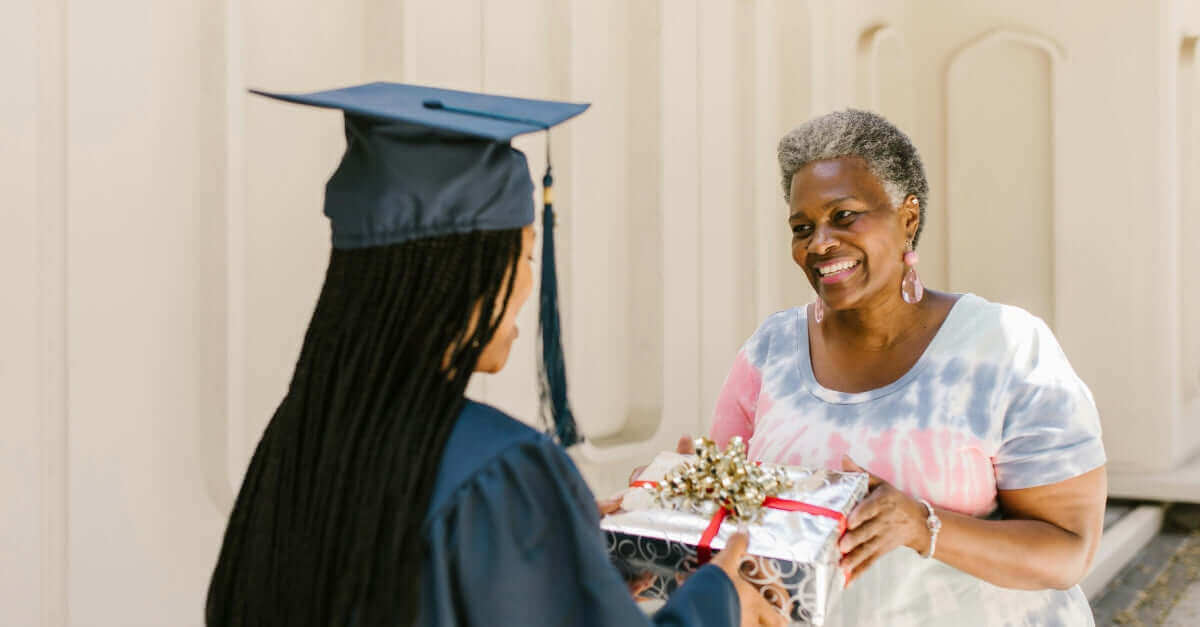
[(885, 77), (1000, 172)]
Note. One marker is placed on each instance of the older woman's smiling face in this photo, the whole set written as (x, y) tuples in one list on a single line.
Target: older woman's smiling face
[(847, 235)]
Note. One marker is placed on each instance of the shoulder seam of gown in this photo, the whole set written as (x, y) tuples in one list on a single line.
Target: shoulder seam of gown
[(537, 439)]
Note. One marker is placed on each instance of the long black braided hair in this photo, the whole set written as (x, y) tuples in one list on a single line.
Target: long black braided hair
[(326, 527)]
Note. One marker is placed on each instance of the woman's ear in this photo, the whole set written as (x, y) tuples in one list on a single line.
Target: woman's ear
[(910, 215)]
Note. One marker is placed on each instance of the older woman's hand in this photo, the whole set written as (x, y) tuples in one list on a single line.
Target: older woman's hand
[(685, 446), (887, 519)]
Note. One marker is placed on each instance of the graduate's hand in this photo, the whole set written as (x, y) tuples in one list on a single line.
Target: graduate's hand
[(884, 521), (754, 570), (639, 584), (756, 611)]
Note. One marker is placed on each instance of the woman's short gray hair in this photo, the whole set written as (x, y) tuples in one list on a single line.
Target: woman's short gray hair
[(889, 153)]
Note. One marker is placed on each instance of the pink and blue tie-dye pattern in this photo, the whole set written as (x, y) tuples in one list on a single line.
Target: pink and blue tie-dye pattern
[(992, 404)]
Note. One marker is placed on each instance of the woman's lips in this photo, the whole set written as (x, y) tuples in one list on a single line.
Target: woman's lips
[(839, 276)]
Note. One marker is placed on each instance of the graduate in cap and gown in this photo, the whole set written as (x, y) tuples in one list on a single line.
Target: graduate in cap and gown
[(379, 494)]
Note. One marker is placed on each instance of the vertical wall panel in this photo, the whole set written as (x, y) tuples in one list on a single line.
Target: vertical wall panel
[(443, 43), (517, 59), (595, 219), (237, 434), (53, 301), (289, 152), (793, 42), (32, 334), (385, 35), (144, 324), (662, 165), (725, 214), (1187, 134), (770, 236), (22, 474), (781, 102), (792, 48), (1000, 174), (644, 229), (680, 194)]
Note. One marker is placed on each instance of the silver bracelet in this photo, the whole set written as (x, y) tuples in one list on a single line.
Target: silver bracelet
[(934, 525)]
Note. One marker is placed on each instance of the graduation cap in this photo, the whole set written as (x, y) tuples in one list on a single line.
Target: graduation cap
[(425, 162)]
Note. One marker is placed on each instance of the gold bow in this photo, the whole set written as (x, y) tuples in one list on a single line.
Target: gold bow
[(722, 478)]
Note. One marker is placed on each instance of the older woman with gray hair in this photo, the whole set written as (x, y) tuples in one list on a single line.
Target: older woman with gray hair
[(983, 445)]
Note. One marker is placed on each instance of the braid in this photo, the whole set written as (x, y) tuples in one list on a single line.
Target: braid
[(327, 526)]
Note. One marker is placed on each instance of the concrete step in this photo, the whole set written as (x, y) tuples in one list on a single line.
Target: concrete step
[(1161, 584), (1127, 530)]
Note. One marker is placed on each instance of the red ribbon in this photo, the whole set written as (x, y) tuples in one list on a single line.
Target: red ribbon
[(815, 510), (704, 547)]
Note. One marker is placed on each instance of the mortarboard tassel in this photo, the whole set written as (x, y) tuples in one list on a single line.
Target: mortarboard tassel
[(553, 380)]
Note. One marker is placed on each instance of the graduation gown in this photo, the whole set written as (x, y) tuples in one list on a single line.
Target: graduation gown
[(512, 537)]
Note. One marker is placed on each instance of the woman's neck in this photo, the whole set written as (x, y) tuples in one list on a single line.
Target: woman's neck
[(877, 326)]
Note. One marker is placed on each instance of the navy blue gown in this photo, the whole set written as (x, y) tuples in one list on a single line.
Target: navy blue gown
[(512, 538)]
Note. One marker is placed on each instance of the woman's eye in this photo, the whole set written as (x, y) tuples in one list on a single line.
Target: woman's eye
[(801, 230), (843, 216)]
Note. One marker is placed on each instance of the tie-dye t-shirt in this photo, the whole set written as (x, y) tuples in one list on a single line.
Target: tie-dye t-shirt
[(992, 404)]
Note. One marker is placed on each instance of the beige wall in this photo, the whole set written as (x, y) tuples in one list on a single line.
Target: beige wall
[(164, 244)]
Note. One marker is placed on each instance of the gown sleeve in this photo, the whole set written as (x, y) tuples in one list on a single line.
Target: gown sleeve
[(519, 544)]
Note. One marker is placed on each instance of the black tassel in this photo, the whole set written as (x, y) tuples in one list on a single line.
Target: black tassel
[(553, 367)]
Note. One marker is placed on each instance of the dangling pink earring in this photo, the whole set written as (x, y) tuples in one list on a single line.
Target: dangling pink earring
[(818, 311), (911, 289)]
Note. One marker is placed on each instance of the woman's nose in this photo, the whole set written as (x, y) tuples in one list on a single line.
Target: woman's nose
[(821, 241)]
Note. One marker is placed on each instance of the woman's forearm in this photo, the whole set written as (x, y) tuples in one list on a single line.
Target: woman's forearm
[(1022, 554), (1047, 542)]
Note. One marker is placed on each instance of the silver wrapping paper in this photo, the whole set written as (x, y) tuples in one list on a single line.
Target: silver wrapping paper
[(796, 552)]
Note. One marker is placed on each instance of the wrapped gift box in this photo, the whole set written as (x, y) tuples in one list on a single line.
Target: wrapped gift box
[(793, 535)]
